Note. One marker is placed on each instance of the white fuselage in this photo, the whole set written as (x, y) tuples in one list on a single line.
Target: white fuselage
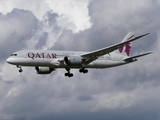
[(54, 59)]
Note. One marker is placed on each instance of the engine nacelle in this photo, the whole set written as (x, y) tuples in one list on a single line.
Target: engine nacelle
[(44, 70), (73, 60)]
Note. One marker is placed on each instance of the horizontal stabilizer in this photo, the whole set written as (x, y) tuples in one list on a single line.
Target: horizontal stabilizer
[(133, 58), (91, 56)]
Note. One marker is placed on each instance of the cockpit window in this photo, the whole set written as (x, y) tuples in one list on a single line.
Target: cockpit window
[(13, 54)]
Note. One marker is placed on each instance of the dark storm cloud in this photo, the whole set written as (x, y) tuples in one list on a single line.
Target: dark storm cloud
[(65, 41), (52, 19), (42, 40), (16, 28), (114, 19), (110, 26), (82, 97), (143, 111)]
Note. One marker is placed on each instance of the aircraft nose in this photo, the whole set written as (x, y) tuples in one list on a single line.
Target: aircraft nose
[(9, 60)]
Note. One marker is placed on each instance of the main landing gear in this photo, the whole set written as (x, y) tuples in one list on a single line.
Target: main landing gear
[(83, 70), (20, 68), (68, 74)]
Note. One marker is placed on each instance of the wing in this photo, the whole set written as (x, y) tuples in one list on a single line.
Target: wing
[(91, 56), (133, 58)]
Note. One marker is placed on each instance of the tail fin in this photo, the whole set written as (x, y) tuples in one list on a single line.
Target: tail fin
[(126, 49)]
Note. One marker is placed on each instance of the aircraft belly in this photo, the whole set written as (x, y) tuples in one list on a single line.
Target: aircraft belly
[(51, 63), (95, 64), (105, 64), (100, 63)]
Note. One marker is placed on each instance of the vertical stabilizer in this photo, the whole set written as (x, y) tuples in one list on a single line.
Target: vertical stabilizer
[(126, 49)]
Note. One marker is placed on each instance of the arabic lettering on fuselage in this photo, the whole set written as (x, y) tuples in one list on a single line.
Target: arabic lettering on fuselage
[(42, 55)]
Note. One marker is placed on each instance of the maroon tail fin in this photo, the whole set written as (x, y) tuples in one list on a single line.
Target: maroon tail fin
[(126, 49)]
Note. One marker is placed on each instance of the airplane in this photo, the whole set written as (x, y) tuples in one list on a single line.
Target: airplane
[(46, 61)]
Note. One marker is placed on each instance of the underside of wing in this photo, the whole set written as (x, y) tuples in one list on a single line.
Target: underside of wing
[(133, 58), (91, 56)]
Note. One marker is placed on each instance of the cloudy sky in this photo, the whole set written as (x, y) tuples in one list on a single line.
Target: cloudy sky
[(122, 93)]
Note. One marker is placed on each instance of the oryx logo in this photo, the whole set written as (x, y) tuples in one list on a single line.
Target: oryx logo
[(127, 47)]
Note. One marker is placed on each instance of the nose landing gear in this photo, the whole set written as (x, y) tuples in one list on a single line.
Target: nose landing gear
[(20, 68)]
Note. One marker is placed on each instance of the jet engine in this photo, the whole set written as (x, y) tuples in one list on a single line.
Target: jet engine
[(44, 70), (73, 60)]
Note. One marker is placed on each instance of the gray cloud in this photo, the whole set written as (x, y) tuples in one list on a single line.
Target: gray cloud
[(16, 28), (126, 92)]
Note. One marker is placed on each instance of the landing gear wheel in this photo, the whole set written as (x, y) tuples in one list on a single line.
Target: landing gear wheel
[(20, 70), (80, 70), (70, 75), (66, 74), (83, 70)]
